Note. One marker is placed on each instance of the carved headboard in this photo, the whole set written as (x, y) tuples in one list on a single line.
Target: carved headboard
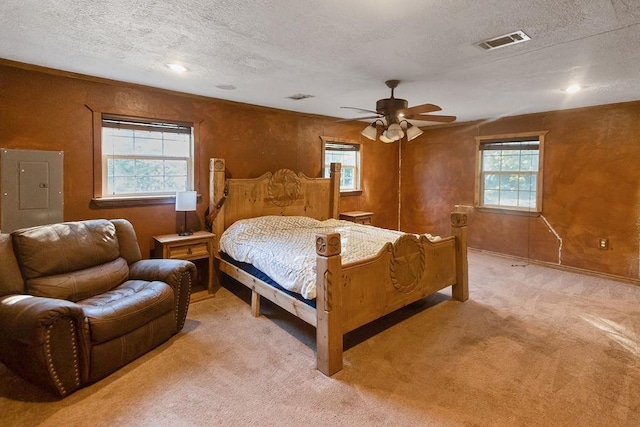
[(282, 192)]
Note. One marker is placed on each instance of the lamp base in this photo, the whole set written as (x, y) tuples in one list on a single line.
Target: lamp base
[(186, 232)]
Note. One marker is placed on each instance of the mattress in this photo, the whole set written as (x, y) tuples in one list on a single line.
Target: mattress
[(283, 247)]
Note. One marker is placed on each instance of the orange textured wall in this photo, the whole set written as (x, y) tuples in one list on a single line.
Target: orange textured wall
[(591, 188), (591, 180), (48, 110)]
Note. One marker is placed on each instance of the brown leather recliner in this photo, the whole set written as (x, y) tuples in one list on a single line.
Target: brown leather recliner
[(77, 301)]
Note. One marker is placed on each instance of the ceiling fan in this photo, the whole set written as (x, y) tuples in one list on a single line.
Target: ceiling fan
[(395, 112)]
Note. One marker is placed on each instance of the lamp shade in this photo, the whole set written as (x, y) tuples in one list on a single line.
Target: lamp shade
[(413, 132), (384, 138), (186, 200), (394, 132), (370, 132)]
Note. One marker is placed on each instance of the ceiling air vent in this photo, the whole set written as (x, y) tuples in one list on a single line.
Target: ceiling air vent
[(505, 40), (299, 96)]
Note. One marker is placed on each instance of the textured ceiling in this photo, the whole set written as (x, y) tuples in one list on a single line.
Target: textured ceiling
[(341, 52)]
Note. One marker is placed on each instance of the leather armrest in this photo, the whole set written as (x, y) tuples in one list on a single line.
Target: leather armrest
[(45, 340), (176, 273)]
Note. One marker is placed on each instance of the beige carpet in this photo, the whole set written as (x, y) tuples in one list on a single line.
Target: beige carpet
[(533, 346)]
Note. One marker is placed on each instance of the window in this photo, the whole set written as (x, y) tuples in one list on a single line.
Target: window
[(348, 154), (145, 157), (510, 172)]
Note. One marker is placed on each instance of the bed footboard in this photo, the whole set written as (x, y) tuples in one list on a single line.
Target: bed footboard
[(352, 295)]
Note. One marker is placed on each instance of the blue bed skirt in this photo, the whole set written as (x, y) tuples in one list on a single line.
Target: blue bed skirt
[(248, 268)]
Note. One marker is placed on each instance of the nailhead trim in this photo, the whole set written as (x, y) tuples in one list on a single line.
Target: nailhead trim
[(49, 359), (76, 362), (175, 309), (178, 300)]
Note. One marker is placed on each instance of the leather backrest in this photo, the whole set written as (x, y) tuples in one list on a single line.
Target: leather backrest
[(129, 248), (61, 248), (82, 284), (10, 278)]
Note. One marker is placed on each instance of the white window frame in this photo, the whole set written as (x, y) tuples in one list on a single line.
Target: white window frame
[(340, 144), (488, 142), (101, 196)]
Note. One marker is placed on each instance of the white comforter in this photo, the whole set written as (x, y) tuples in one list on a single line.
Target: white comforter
[(283, 247)]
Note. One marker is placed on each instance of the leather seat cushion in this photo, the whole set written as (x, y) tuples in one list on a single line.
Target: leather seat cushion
[(125, 308)]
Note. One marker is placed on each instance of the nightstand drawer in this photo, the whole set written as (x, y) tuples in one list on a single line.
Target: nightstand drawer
[(364, 220), (194, 247), (196, 250)]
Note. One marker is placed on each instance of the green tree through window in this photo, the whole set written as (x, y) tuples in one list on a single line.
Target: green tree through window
[(348, 155), (510, 173), (146, 157)]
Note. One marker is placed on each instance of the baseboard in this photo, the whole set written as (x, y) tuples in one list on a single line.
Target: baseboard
[(615, 277)]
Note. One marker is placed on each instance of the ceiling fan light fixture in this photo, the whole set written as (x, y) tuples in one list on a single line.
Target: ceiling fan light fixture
[(370, 132), (394, 132), (413, 132), (383, 138), (392, 114)]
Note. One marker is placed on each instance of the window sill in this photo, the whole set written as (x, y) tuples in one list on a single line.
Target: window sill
[(116, 202), (350, 193), (508, 211)]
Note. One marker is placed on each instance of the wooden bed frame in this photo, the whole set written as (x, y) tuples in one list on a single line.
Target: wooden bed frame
[(350, 295)]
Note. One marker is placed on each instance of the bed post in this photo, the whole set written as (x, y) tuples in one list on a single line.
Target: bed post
[(334, 197), (460, 290), (329, 303), (216, 190)]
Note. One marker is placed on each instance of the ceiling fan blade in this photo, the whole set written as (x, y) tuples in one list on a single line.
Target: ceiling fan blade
[(358, 118), (434, 118), (419, 109), (364, 110)]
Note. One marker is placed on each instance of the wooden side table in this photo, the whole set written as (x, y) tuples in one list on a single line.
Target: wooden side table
[(199, 245), (359, 217)]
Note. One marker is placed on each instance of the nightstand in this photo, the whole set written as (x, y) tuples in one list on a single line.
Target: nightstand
[(197, 246), (359, 217)]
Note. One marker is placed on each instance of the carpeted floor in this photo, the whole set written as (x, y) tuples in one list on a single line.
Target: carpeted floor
[(533, 346)]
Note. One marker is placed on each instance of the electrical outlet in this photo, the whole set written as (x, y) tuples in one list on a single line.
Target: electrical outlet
[(603, 243)]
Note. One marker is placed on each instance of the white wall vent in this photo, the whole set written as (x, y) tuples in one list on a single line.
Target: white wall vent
[(505, 40)]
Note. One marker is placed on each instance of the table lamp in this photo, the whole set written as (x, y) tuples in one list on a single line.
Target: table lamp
[(186, 202)]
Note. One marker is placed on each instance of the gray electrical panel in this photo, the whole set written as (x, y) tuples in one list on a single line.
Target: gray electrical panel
[(31, 184)]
